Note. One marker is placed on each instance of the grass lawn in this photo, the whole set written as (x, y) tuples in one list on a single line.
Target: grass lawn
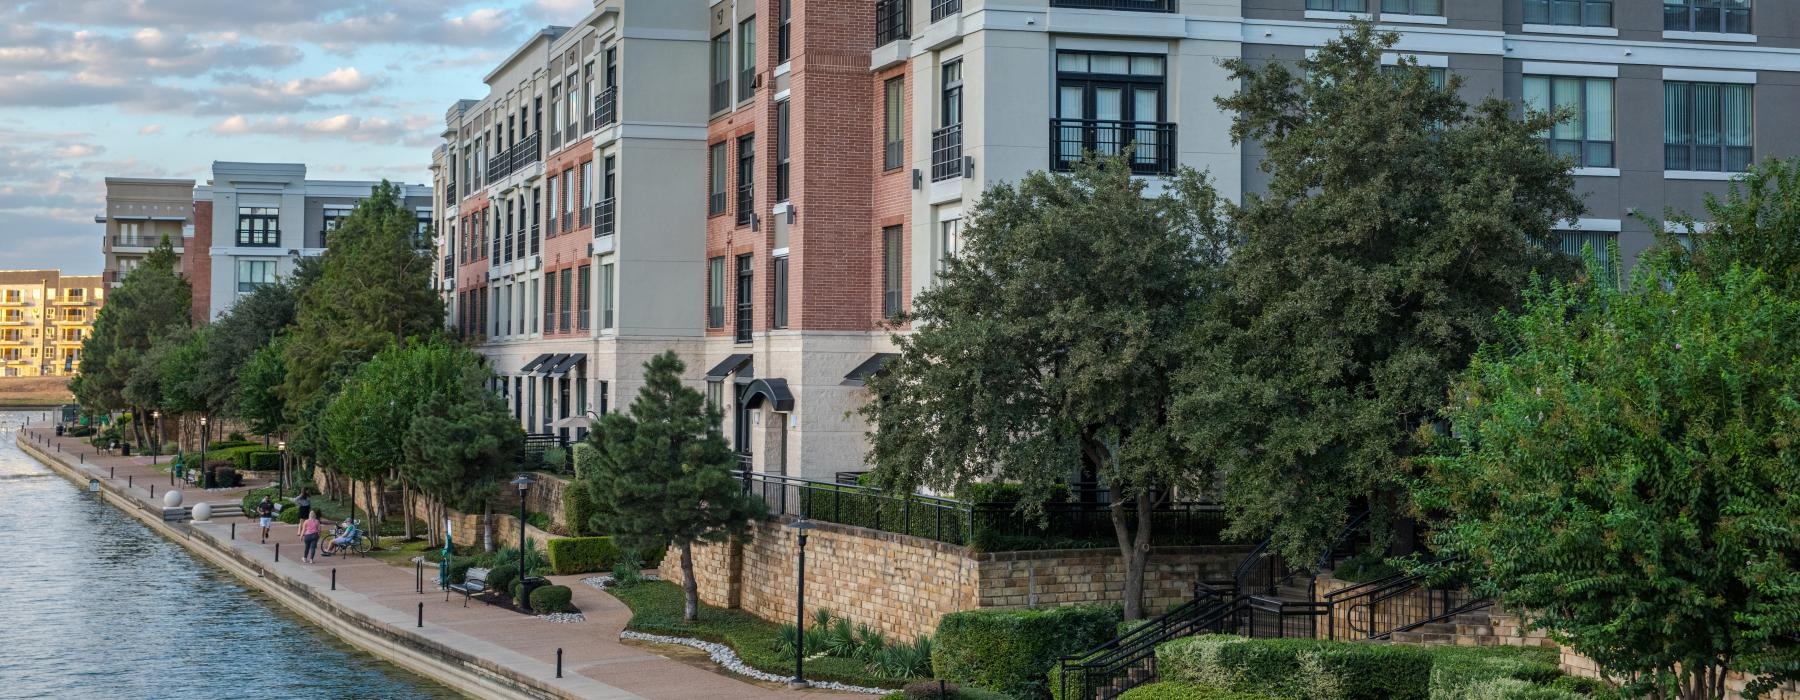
[(656, 609)]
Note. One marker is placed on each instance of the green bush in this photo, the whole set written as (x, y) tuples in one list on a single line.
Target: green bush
[(290, 515), (265, 461), (1368, 566), (578, 507), (586, 459), (538, 520), (226, 478), (1011, 651), (1466, 674), (929, 690), (902, 661), (1176, 690), (1298, 668), (235, 436), (502, 577), (551, 599), (228, 444), (580, 555)]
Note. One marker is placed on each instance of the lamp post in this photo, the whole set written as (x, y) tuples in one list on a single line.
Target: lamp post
[(800, 526), (281, 446), (523, 483), (155, 435), (201, 481)]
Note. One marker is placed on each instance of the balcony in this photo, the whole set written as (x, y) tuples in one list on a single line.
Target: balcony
[(605, 221), (946, 153), (606, 106), (15, 301), (525, 152), (142, 241), (499, 166), (13, 320), (1149, 146), (1126, 5), (946, 8), (890, 22)]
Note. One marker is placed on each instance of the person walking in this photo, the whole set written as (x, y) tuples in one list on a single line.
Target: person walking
[(265, 513), (309, 534), (304, 503)]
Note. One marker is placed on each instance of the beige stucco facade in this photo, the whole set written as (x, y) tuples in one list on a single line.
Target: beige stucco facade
[(44, 317)]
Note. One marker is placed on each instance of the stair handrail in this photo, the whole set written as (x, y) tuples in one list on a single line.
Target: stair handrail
[(1344, 535), (1208, 607)]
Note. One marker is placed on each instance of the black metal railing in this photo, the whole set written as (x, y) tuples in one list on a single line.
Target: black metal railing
[(1087, 523), (449, 267), (604, 218), (1127, 5), (890, 21), (1129, 660), (500, 165), (1398, 603), (941, 519), (525, 152), (450, 192), (535, 237), (945, 8), (531, 455), (746, 202), (745, 328), (606, 106), (1265, 571), (1149, 146), (946, 153)]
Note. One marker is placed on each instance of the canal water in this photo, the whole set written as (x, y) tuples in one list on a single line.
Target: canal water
[(93, 604)]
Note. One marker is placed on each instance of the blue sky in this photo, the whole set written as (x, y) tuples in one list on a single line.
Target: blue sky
[(356, 89)]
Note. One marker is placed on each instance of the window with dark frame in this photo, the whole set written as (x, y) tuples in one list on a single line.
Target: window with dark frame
[(782, 147), (1587, 135), (1570, 13), (565, 283), (1109, 104), (746, 184), (1432, 8), (1338, 5), (721, 72), (584, 294), (1707, 126), (715, 195), (715, 292), (607, 296), (746, 59), (1716, 16), (890, 271), (778, 278), (784, 35), (746, 302), (893, 141), (946, 141), (254, 273), (259, 226)]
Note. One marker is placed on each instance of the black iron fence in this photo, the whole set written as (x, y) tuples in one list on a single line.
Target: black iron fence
[(946, 153), (1149, 146), (941, 519), (1128, 5), (606, 106), (1402, 602)]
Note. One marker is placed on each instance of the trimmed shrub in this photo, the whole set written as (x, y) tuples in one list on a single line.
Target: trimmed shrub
[(1466, 674), (929, 690), (228, 444), (581, 555), (226, 477), (289, 515), (502, 577), (265, 461), (459, 569), (1011, 651), (1298, 668), (586, 457), (235, 436), (551, 599), (578, 507), (1176, 690)]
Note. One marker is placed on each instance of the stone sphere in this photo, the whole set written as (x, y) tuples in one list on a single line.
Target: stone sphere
[(172, 498), (203, 512)]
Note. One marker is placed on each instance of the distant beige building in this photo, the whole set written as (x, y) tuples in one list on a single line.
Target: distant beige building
[(44, 316)]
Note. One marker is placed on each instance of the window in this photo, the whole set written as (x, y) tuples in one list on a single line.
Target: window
[(949, 240), (1414, 7), (784, 31), (946, 142), (1338, 5), (254, 273), (1570, 13), (532, 313), (1574, 241), (778, 316), (587, 190), (746, 59), (584, 292), (550, 303), (1706, 127), (565, 285), (890, 271), (553, 205), (746, 176), (1112, 103), (715, 293), (721, 72), (782, 147), (745, 302), (537, 206), (1587, 136), (259, 226), (72, 334), (893, 110), (1730, 16), (606, 295), (715, 193)]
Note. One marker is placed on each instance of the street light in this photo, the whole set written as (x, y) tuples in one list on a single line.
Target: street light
[(800, 526), (155, 435), (281, 446), (201, 481), (523, 483)]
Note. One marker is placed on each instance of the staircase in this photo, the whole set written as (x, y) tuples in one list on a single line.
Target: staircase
[(1470, 628)]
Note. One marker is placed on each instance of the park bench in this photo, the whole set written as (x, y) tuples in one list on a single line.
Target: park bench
[(474, 582)]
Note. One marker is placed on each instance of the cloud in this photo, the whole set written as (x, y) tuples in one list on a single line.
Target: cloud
[(559, 11), (78, 150), (341, 127), (343, 81), (240, 93), (149, 129), (148, 51)]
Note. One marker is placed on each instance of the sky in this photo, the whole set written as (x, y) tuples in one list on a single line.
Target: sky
[(355, 89)]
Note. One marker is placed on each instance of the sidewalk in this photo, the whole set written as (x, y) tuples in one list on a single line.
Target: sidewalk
[(595, 663)]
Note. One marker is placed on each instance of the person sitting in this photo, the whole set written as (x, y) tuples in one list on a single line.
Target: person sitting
[(345, 536)]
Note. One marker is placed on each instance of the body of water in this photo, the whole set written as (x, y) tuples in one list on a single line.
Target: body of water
[(94, 604)]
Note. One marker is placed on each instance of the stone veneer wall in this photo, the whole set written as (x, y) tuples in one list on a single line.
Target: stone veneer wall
[(901, 585), (1577, 665)]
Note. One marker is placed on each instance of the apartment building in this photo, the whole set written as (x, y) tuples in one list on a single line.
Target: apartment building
[(571, 238), (841, 144), (140, 212), (44, 317), (255, 221)]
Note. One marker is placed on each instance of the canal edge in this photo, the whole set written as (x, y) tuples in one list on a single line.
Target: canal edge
[(460, 671)]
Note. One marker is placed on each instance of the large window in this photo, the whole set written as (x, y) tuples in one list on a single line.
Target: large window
[(721, 72), (1338, 5), (1570, 13), (715, 292), (893, 129), (1112, 103), (746, 179), (254, 273), (1586, 137), (949, 240), (1730, 16), (606, 295), (1707, 126), (783, 148), (568, 198), (550, 303), (1413, 7), (745, 301), (746, 59), (890, 270), (587, 190), (946, 141), (784, 38), (584, 294), (553, 208), (778, 315), (1573, 242), (565, 284), (259, 226), (715, 187)]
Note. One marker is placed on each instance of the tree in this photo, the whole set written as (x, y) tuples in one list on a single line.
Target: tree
[(1397, 221), (258, 388), (1048, 346), (464, 442), (249, 325), (665, 473), (151, 301), (1621, 469), (1753, 225)]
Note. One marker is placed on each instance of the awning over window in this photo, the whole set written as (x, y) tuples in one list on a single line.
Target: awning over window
[(568, 363), (533, 365), (775, 391), (868, 368), (724, 369), (544, 367)]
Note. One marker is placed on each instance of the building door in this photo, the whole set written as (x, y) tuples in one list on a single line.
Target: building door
[(740, 427)]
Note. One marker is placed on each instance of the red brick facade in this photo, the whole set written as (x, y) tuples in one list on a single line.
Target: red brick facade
[(196, 260)]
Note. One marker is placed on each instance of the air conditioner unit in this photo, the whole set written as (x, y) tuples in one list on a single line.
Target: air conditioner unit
[(537, 261)]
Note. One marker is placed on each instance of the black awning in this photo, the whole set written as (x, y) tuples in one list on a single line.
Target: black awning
[(868, 368), (775, 391), (567, 364), (544, 368), (724, 369), (532, 365)]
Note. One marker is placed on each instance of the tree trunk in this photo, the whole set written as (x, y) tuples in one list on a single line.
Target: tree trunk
[(406, 509), (1134, 551), (487, 527), (690, 590)]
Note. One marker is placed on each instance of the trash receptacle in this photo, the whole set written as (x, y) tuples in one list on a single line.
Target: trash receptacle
[(124, 449), (59, 430)]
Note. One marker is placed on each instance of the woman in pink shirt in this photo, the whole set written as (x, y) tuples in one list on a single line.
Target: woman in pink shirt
[(309, 531)]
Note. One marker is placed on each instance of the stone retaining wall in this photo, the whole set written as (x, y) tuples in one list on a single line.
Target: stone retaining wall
[(1577, 665)]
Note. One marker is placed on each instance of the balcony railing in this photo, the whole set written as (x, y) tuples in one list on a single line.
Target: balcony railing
[(746, 203), (945, 8), (946, 153), (450, 192), (525, 152), (890, 22), (449, 267), (1148, 146), (604, 218), (744, 327), (144, 241), (500, 165), (606, 106), (1127, 5)]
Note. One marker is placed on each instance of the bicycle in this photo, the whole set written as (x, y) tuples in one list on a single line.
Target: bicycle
[(360, 540)]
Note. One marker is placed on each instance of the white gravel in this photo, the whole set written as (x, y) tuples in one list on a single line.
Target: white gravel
[(563, 618), (724, 656), (603, 581)]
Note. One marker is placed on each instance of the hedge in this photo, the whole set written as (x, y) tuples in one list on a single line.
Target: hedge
[(1481, 674), (550, 599), (1176, 690), (265, 461), (581, 555), (1011, 651), (501, 577), (1298, 668), (579, 507), (228, 444), (928, 690)]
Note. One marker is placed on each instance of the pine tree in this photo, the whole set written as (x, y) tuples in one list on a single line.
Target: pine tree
[(665, 473)]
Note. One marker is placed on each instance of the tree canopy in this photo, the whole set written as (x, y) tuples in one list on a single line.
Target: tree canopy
[(151, 301)]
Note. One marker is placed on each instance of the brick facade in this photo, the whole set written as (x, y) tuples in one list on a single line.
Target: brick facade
[(196, 260)]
